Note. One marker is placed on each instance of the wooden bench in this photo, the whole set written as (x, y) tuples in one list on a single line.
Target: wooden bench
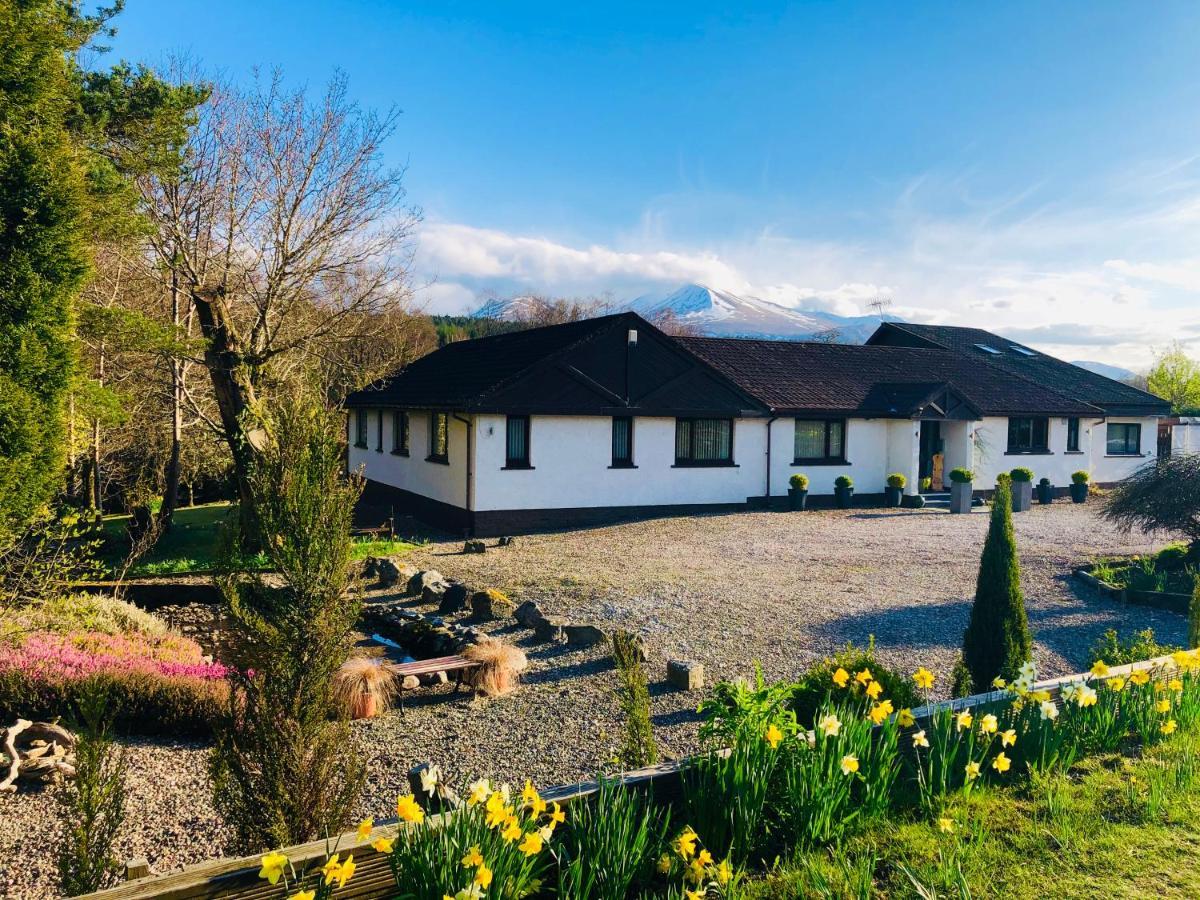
[(386, 530), (459, 665)]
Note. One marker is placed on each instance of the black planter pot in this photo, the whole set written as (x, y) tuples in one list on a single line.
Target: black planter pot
[(845, 496), (892, 496), (797, 500), (1045, 493), (1079, 492)]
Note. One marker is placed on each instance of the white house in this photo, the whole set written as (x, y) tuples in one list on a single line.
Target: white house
[(579, 423)]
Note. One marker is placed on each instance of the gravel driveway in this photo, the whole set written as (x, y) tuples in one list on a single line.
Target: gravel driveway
[(728, 590)]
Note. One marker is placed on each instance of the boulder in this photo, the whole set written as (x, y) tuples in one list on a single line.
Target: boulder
[(584, 635), (528, 614), (685, 674), (410, 683), (387, 572), (433, 593), (474, 547), (421, 580), (434, 678), (549, 628), (491, 604), (454, 598), (506, 541)]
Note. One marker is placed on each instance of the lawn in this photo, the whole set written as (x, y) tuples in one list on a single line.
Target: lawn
[(193, 543)]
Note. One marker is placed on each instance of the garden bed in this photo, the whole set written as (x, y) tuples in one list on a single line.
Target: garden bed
[(1122, 580)]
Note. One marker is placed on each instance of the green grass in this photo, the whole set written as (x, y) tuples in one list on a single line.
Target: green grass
[(1117, 826), (193, 541)]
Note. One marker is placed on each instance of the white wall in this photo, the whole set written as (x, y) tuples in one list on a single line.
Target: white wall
[(867, 453), (1185, 437), (446, 483), (1107, 469)]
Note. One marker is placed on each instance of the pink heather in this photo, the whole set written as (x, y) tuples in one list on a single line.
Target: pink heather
[(77, 655)]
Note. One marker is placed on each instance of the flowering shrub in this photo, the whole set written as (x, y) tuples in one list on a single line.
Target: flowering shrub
[(82, 654)]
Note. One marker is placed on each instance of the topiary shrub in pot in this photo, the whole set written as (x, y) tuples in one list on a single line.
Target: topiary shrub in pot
[(798, 492), (1045, 492), (1079, 486), (962, 491), (1022, 489), (843, 489), (894, 492)]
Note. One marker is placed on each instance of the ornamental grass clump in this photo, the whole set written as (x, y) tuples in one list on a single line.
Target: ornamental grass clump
[(500, 666), (364, 687)]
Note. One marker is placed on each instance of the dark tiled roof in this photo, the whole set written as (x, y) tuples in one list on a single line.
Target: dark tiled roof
[(1073, 381), (460, 374), (797, 377)]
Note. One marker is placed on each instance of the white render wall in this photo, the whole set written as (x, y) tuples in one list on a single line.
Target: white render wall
[(447, 483), (867, 453)]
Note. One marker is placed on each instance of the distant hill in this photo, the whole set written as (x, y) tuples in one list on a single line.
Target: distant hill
[(1114, 372)]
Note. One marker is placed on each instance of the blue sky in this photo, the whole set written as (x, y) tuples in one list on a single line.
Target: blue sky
[(1033, 167)]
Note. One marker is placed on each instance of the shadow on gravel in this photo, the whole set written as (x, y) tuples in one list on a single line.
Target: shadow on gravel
[(926, 625), (563, 673)]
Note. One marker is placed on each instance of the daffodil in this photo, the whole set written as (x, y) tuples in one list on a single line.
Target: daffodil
[(498, 816), (1163, 705), (1041, 696), (694, 895), (1001, 763), (695, 871), (919, 739), (1008, 738), (880, 711), (774, 735), (1099, 669), (429, 779), (1140, 677), (529, 793), (1085, 696), (685, 844), (1168, 727), (383, 845), (557, 816), (841, 678), (339, 872), (874, 689), (964, 720), (1175, 685), (473, 858), (1116, 684), (863, 677), (849, 764), (923, 678), (945, 826), (409, 810), (479, 792), (483, 876), (473, 892), (988, 724), (331, 869), (531, 844), (999, 683), (724, 873), (830, 725), (664, 864), (972, 771), (512, 829), (905, 718), (303, 895), (272, 866), (364, 829), (1048, 710)]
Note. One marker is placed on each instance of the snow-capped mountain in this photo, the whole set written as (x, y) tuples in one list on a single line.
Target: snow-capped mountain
[(1114, 372), (720, 313)]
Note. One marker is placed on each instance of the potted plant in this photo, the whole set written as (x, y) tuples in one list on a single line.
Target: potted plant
[(364, 687), (843, 488), (1045, 492), (1079, 486), (962, 492), (798, 492), (927, 483), (894, 492), (1022, 489)]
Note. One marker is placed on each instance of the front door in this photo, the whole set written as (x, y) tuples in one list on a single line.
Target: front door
[(930, 465)]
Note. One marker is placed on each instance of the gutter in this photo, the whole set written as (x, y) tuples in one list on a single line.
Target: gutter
[(470, 423)]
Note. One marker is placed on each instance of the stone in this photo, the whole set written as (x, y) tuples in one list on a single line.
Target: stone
[(387, 572), (505, 541), (421, 580), (435, 678), (491, 604), (528, 614), (433, 593), (474, 547), (370, 567), (549, 628), (454, 598), (584, 635), (685, 674), (410, 683)]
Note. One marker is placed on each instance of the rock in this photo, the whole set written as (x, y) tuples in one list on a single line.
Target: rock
[(433, 593), (506, 541), (388, 572), (370, 567), (584, 635), (491, 604), (474, 547), (528, 614), (421, 580), (549, 628), (685, 674), (434, 678), (410, 683), (454, 598)]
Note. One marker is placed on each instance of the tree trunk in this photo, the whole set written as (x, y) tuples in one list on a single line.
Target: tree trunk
[(97, 500), (170, 497)]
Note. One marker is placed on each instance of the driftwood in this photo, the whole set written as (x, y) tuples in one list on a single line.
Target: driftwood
[(37, 751)]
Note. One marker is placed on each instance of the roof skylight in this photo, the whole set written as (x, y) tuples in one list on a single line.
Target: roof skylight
[(986, 349), (1022, 350)]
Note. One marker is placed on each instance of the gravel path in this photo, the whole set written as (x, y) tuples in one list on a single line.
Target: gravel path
[(727, 590)]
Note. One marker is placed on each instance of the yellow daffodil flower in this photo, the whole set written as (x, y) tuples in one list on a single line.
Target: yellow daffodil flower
[(972, 771), (496, 801), (945, 826), (704, 858), (547, 831), (964, 719), (1116, 684), (1175, 685), (664, 864), (923, 678), (988, 724), (1008, 738), (1048, 710), (863, 677), (331, 868), (694, 895), (346, 871), (497, 817), (303, 895), (999, 683), (473, 858), (479, 792), (1085, 696), (1140, 677), (841, 678), (829, 725), (1099, 669), (529, 793), (774, 735), (409, 810), (849, 764), (724, 873), (919, 739), (1041, 696), (1001, 763), (272, 866), (483, 876), (364, 829), (1168, 727), (905, 718), (531, 844), (383, 845), (874, 689), (1163, 705), (557, 816), (685, 844), (537, 807), (695, 871), (512, 829)]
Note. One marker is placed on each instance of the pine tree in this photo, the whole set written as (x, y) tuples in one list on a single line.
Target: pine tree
[(997, 640)]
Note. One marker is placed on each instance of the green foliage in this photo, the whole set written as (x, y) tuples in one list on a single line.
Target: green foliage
[(1022, 473), (1044, 480), (64, 613), (1194, 617), (92, 804), (843, 481), (1162, 495), (1173, 556), (798, 482), (896, 480), (1175, 377), (464, 328), (283, 768), (638, 748), (960, 678), (962, 476), (997, 639), (609, 844), (1081, 477), (1117, 651)]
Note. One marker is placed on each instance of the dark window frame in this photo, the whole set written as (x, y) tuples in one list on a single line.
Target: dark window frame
[(1073, 435), (627, 461), (379, 434), (360, 428), (442, 458), (511, 462), (1019, 447), (828, 459), (1135, 427), (400, 432), (690, 461)]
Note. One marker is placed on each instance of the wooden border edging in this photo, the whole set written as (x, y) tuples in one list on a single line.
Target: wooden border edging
[(1176, 603), (238, 877)]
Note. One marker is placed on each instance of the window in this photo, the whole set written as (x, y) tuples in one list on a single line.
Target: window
[(988, 349), (1073, 435), (360, 428), (400, 432), (379, 434), (622, 442), (703, 442), (439, 437), (516, 452), (1124, 439), (1024, 351), (1028, 435), (820, 440)]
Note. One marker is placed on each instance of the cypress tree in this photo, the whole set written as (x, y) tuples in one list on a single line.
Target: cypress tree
[(997, 640)]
